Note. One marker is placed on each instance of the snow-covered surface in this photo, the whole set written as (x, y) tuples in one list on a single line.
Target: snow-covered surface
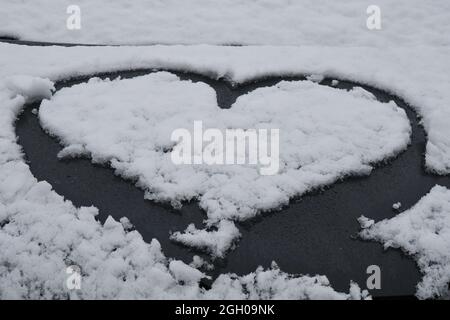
[(200, 263), (326, 134), (410, 57), (216, 242), (41, 234), (403, 69), (365, 222), (397, 205), (275, 284), (418, 74), (276, 22), (423, 232)]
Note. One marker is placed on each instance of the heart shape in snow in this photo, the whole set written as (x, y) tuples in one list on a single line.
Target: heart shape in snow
[(325, 135)]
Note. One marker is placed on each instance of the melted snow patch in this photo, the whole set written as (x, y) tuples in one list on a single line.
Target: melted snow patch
[(423, 232)]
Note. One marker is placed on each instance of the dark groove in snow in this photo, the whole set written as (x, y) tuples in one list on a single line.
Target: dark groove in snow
[(313, 235), (8, 38), (15, 40)]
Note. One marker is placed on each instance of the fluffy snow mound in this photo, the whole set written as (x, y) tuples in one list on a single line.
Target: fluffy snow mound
[(423, 232), (281, 22), (41, 234), (326, 134), (30, 87), (216, 242), (277, 285)]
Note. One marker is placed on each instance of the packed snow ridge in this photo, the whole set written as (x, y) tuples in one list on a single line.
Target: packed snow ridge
[(423, 232), (326, 134)]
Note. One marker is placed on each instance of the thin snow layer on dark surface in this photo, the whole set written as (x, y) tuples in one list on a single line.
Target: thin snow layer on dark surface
[(42, 233), (325, 135), (281, 22), (423, 232)]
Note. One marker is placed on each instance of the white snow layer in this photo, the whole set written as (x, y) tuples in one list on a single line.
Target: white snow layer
[(410, 57), (325, 135), (41, 234), (216, 242), (275, 22), (423, 232), (419, 74)]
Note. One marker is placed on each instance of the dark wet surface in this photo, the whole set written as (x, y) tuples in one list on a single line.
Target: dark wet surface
[(313, 235)]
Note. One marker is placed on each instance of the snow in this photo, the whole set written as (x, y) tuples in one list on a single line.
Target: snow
[(216, 242), (30, 87), (409, 57), (397, 205), (184, 273), (126, 223), (365, 222), (403, 72), (281, 22), (199, 263), (326, 134), (424, 233), (315, 78), (41, 234), (275, 284)]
